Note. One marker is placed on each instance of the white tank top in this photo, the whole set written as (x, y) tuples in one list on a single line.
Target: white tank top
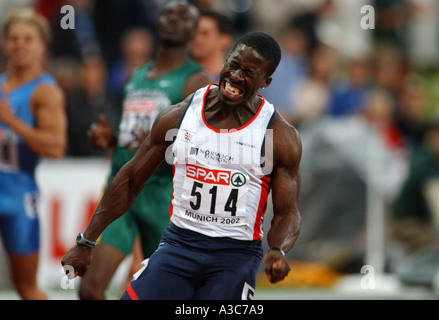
[(220, 184)]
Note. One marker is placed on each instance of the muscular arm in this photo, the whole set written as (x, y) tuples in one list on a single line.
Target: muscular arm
[(127, 184), (48, 138), (285, 225), (131, 178)]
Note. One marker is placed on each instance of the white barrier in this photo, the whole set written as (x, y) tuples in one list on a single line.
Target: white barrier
[(69, 189)]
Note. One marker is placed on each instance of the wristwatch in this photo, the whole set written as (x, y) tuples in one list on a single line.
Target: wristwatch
[(278, 250), (82, 241)]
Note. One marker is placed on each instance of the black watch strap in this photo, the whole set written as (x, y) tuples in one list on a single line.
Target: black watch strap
[(278, 250)]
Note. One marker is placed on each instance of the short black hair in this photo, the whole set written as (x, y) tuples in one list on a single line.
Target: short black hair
[(224, 23), (265, 45)]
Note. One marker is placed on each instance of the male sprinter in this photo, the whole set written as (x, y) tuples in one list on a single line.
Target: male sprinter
[(32, 125), (230, 150)]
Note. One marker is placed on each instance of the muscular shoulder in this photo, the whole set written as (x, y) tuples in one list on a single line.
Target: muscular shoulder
[(287, 146), (168, 121), (196, 81), (48, 94)]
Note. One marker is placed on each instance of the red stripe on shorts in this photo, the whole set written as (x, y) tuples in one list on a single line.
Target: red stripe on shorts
[(131, 293)]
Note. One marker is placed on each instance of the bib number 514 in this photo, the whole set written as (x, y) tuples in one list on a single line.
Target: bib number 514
[(230, 205)]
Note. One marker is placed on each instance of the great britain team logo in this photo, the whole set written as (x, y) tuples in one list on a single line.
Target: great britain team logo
[(187, 136)]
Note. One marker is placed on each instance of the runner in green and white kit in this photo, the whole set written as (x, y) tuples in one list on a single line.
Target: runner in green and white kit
[(164, 81), (143, 99)]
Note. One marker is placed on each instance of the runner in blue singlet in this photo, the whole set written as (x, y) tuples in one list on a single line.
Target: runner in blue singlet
[(32, 125)]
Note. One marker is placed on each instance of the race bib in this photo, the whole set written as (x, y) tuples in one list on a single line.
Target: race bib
[(8, 151), (138, 117), (214, 196)]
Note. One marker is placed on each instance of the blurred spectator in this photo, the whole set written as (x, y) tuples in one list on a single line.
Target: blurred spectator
[(389, 67), (378, 111), (213, 39), (6, 6), (293, 67), (85, 28), (80, 41), (272, 15), (423, 33), (86, 104), (114, 17), (392, 18), (48, 8), (309, 20), (410, 110), (204, 5), (240, 12), (349, 96), (311, 95), (413, 222), (393, 73), (66, 72), (137, 49)]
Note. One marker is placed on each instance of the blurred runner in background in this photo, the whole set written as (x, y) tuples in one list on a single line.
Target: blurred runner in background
[(32, 125), (213, 40)]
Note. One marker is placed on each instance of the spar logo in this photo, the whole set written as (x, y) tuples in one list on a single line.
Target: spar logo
[(238, 179), (213, 176)]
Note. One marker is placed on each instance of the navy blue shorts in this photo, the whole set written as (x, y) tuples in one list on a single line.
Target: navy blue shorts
[(191, 266)]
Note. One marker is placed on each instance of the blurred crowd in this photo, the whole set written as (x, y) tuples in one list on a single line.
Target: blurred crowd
[(331, 67)]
